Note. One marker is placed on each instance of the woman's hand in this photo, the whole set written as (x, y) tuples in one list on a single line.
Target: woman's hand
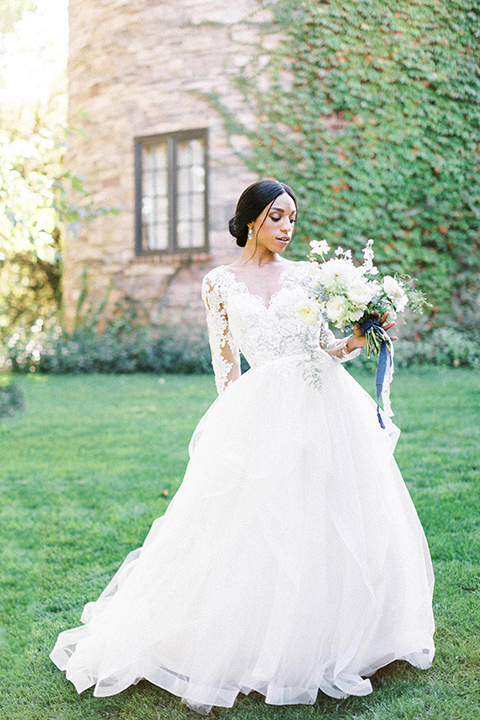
[(357, 339)]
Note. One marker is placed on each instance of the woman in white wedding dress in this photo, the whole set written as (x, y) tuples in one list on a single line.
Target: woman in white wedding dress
[(291, 558)]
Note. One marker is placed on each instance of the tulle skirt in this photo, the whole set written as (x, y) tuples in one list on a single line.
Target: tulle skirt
[(290, 560)]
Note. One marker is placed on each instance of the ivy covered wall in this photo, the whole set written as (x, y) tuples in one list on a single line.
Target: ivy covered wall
[(371, 111)]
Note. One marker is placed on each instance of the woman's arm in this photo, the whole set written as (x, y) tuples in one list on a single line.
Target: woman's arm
[(225, 355)]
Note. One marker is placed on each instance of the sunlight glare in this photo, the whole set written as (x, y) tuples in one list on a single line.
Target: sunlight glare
[(36, 53)]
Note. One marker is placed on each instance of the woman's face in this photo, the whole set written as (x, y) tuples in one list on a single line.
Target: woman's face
[(272, 230)]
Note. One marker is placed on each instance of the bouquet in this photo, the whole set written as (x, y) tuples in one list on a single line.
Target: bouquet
[(347, 294)]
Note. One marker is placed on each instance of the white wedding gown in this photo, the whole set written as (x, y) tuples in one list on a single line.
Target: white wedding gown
[(291, 558)]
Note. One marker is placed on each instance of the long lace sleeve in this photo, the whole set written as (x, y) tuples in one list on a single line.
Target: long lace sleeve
[(336, 348), (225, 355)]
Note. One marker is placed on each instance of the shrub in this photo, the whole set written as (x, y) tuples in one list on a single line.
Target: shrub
[(168, 349), (12, 399), (184, 349), (444, 346)]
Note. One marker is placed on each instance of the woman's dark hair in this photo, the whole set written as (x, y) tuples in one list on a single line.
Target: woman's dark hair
[(252, 202)]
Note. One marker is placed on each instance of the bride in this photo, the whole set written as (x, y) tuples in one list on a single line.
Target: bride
[(291, 558)]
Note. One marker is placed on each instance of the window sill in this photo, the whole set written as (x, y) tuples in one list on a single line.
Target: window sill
[(184, 258)]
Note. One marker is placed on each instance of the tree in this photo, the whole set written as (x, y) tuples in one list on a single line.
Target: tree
[(31, 147), (12, 11), (37, 204)]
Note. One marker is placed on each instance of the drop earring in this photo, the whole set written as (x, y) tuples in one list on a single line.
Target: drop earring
[(250, 234)]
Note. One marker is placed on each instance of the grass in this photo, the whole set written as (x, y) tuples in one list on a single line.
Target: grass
[(82, 475)]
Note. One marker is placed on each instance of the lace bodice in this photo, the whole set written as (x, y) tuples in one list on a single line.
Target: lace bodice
[(239, 320)]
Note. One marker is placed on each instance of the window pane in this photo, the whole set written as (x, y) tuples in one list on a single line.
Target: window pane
[(198, 179), (191, 193), (184, 185), (196, 148), (155, 197), (184, 207), (198, 234), (156, 236), (184, 153), (148, 159), (184, 234), (198, 207), (161, 156), (161, 210), (161, 182), (148, 184)]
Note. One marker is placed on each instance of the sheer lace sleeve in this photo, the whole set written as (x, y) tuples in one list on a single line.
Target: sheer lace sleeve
[(225, 355), (336, 348)]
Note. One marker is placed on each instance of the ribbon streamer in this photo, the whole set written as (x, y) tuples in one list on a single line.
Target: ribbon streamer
[(385, 367)]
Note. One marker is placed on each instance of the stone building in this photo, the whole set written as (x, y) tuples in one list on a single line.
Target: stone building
[(145, 140)]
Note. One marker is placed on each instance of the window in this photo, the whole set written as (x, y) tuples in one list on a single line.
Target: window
[(171, 193)]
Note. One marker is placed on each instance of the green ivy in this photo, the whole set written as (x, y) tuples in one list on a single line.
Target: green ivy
[(371, 112)]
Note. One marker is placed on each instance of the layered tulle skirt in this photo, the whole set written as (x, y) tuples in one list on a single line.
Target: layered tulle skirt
[(290, 560)]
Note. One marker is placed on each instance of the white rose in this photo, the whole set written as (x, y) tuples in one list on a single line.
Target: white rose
[(395, 292), (335, 274), (356, 314), (401, 303), (360, 292), (336, 309), (392, 287), (314, 275), (307, 310)]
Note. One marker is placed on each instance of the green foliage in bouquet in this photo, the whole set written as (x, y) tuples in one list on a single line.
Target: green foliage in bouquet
[(371, 111)]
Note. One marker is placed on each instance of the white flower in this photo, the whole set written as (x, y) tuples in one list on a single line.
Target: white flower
[(337, 308), (340, 252), (336, 274), (308, 311), (368, 256), (319, 247), (355, 314), (401, 303), (394, 290), (360, 292)]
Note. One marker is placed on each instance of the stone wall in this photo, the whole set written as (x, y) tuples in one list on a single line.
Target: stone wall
[(138, 67)]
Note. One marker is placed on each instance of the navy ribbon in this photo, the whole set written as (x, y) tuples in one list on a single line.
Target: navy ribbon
[(385, 361)]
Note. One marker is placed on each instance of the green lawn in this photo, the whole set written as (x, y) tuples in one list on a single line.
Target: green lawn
[(82, 473)]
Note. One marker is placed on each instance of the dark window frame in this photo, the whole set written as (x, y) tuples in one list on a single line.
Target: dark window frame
[(171, 139)]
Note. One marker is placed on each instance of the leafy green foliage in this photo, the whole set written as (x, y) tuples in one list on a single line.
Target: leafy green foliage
[(371, 112), (30, 232), (39, 202), (118, 348)]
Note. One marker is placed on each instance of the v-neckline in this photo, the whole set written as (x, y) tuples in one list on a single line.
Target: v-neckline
[(245, 288)]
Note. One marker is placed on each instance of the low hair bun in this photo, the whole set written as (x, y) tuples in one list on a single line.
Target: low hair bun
[(231, 226), (240, 236)]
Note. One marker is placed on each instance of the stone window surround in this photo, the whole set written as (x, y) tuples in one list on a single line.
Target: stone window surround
[(173, 252)]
